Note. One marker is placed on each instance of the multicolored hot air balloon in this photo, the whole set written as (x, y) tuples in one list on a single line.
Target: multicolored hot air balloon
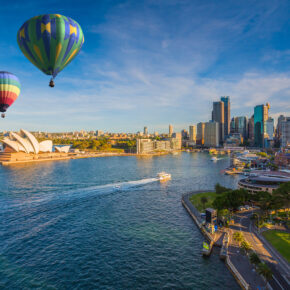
[(50, 42), (9, 90)]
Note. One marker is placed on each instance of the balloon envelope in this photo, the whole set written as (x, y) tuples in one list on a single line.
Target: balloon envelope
[(50, 41), (9, 90)]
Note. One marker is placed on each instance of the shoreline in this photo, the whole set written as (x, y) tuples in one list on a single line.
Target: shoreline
[(192, 211), (81, 156)]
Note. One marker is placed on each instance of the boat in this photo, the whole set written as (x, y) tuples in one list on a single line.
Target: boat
[(163, 176), (118, 187), (214, 159)]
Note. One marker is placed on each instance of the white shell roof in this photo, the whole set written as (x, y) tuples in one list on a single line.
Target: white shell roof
[(45, 146), (32, 140), (16, 146), (64, 149), (24, 142)]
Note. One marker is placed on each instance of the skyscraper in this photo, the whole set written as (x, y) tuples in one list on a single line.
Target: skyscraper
[(251, 129), (200, 133), (219, 116), (170, 130), (211, 134), (285, 132), (145, 131), (269, 135), (281, 118), (260, 117), (192, 133), (227, 110), (241, 126)]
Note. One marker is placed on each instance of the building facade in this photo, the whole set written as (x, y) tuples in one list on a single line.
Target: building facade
[(251, 130), (192, 133), (219, 117), (261, 113), (227, 112), (269, 135), (145, 131), (285, 132), (170, 130), (200, 133), (211, 134), (241, 126)]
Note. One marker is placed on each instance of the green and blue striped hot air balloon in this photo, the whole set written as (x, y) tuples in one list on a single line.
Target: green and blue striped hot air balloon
[(50, 42)]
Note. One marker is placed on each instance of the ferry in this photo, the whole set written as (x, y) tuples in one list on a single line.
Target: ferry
[(163, 176)]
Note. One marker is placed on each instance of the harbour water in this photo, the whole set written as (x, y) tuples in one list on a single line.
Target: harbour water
[(66, 225)]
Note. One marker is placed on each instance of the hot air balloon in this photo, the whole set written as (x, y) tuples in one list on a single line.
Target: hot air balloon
[(50, 42), (9, 90)]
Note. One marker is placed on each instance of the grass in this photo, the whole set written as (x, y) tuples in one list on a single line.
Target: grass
[(196, 200), (280, 241)]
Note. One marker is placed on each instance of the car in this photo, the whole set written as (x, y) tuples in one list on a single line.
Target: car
[(247, 207), (241, 208)]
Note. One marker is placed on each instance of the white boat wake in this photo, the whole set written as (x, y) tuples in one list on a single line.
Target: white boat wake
[(63, 197)]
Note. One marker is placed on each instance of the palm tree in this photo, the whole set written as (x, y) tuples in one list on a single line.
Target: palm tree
[(238, 236), (263, 269), (254, 259), (246, 246)]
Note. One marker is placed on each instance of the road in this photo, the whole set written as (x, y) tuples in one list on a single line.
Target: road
[(278, 266)]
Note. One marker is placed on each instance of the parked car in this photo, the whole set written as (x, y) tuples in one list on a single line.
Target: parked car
[(241, 208), (247, 207)]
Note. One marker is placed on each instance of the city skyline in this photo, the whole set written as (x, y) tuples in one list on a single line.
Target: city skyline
[(241, 52)]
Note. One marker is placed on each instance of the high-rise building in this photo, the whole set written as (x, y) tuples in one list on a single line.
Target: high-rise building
[(281, 118), (285, 132), (145, 131), (219, 116), (233, 126), (211, 134), (200, 133), (251, 129), (269, 135), (99, 133), (260, 117), (227, 110), (192, 133), (241, 126), (184, 134), (170, 130), (176, 141)]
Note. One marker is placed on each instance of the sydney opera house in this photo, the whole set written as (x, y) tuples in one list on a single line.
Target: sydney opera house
[(23, 146)]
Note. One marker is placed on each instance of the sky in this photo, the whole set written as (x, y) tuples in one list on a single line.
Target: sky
[(152, 63)]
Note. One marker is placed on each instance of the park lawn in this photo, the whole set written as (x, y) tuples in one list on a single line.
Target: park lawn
[(195, 200), (280, 241)]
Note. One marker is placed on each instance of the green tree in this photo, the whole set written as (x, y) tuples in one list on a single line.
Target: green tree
[(203, 200), (281, 196), (263, 269), (221, 189), (254, 259)]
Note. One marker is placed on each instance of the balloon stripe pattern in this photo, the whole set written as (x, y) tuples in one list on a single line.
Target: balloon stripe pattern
[(9, 90), (50, 41)]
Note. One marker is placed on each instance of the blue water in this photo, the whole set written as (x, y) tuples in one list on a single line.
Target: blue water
[(64, 224)]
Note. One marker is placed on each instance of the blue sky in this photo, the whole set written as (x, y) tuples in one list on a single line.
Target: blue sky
[(151, 63)]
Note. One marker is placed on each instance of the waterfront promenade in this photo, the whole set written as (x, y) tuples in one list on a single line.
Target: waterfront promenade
[(267, 254), (238, 263)]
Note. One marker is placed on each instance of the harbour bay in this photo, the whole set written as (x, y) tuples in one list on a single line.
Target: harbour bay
[(64, 224)]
